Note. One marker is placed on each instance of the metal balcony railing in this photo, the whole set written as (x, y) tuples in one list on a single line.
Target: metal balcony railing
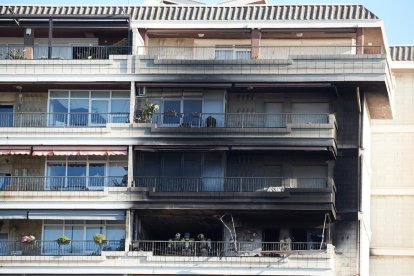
[(249, 52), (41, 119), (60, 183), (237, 120), (226, 249), (229, 184), (52, 248), (63, 52)]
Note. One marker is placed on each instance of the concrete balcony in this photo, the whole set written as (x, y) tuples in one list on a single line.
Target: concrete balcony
[(64, 62), (28, 192), (366, 67), (61, 128), (285, 63), (238, 129), (237, 193), (157, 257)]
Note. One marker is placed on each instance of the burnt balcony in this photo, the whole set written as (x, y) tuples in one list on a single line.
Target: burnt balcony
[(235, 62), (291, 130), (228, 249), (278, 193)]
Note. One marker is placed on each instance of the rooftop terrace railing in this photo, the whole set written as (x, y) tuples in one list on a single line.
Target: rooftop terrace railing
[(237, 120), (249, 52), (60, 183), (229, 184), (52, 248), (226, 249), (78, 119), (63, 52)]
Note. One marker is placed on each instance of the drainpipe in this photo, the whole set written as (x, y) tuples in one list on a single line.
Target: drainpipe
[(360, 99)]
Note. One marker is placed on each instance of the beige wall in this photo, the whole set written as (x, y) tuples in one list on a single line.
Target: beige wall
[(392, 202), (22, 165), (18, 228)]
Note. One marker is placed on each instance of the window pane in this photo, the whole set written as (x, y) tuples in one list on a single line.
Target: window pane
[(120, 94), (115, 236), (172, 112), (50, 235), (100, 94), (56, 176), (76, 176), (59, 94), (81, 107), (96, 175), (75, 233), (120, 111), (99, 110), (79, 94), (6, 115), (58, 112), (118, 174), (192, 112)]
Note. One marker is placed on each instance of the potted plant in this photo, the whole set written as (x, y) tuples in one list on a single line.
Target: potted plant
[(63, 240), (147, 112), (99, 239), (171, 113), (15, 54), (28, 239)]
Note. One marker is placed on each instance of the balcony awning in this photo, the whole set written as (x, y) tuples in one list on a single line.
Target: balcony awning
[(79, 150), (77, 214), (13, 214), (15, 150)]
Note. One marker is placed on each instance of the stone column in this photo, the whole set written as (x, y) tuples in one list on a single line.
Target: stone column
[(360, 41), (128, 228), (256, 36), (130, 166), (28, 42), (132, 96)]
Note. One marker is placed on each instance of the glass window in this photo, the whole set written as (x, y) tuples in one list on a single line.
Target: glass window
[(6, 115), (59, 94), (79, 112), (96, 175), (120, 94), (76, 176), (56, 173), (192, 112), (115, 236), (99, 110), (120, 111), (100, 94), (58, 109), (117, 174), (79, 94), (50, 235), (172, 109)]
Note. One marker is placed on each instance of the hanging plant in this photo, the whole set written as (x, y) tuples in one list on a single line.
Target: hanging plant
[(63, 240), (28, 239), (99, 239)]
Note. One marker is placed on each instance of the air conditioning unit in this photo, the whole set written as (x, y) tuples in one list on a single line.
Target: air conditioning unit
[(141, 91)]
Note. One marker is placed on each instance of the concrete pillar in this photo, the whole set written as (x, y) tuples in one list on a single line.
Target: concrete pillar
[(132, 96), (256, 36), (128, 228), (28, 42), (138, 41), (130, 166), (360, 41)]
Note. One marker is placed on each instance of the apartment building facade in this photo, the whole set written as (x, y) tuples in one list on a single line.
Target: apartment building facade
[(213, 140)]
